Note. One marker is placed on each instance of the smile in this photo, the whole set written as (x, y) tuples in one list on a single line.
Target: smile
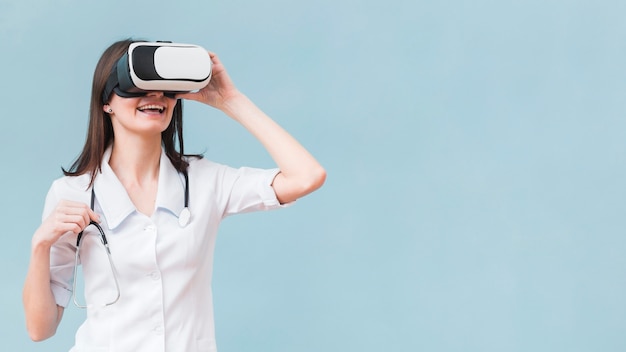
[(151, 108)]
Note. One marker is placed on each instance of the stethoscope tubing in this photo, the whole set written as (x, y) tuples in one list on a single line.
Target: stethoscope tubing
[(112, 266), (108, 250)]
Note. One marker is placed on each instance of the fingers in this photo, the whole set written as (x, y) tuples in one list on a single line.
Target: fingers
[(64, 222), (217, 91), (218, 68), (68, 216), (199, 96), (93, 216), (83, 209), (188, 96), (214, 58), (72, 216)]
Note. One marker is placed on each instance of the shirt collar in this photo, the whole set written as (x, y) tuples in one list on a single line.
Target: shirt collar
[(115, 202), (171, 189)]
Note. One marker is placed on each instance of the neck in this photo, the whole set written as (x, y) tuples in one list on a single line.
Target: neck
[(136, 161)]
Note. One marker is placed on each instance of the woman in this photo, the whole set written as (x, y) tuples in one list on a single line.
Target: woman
[(130, 180)]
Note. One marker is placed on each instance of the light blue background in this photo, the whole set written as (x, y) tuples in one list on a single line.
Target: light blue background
[(474, 149)]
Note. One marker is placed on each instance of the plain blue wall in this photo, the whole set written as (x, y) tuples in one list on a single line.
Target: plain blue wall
[(474, 149)]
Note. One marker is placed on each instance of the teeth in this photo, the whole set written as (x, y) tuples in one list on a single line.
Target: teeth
[(151, 107)]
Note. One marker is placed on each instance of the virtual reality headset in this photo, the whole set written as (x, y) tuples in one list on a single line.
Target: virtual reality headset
[(159, 66)]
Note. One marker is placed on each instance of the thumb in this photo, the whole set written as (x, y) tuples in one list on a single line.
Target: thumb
[(187, 96)]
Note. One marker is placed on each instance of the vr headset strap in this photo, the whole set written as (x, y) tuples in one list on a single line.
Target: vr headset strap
[(112, 82)]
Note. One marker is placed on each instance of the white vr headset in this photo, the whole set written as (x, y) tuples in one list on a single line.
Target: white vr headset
[(159, 66)]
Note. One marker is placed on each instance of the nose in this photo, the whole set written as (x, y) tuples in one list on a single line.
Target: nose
[(155, 93)]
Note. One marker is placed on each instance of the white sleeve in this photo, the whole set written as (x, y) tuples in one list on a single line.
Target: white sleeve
[(249, 189)]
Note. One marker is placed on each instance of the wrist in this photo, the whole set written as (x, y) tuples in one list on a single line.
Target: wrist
[(40, 243), (233, 104)]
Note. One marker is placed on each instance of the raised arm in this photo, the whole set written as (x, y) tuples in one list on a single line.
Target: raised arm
[(300, 174)]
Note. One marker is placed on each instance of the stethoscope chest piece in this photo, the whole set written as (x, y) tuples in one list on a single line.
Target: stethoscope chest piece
[(184, 217)]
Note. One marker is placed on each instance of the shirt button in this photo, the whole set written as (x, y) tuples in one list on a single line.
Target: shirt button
[(150, 228), (155, 275), (158, 330)]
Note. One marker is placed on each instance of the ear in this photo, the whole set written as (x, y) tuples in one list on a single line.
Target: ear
[(106, 108)]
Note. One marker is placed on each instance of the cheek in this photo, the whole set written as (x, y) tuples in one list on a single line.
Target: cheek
[(123, 104)]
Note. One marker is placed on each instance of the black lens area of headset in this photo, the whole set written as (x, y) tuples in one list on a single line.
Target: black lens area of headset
[(143, 63), (139, 94), (116, 81)]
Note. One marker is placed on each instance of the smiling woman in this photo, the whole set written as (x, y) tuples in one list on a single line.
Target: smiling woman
[(140, 117), (134, 182)]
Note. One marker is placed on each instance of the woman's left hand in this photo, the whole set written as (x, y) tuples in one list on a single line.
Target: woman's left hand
[(300, 174), (219, 89)]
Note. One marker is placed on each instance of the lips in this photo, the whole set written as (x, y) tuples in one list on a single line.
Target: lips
[(153, 108)]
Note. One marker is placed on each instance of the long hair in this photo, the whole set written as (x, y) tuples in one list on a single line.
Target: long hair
[(100, 131)]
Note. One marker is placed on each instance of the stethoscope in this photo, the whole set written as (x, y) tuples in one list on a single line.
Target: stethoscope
[(183, 220)]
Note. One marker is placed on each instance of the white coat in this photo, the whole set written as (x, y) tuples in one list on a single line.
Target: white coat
[(164, 269)]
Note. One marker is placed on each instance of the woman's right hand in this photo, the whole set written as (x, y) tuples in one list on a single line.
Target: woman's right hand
[(68, 216), (42, 312)]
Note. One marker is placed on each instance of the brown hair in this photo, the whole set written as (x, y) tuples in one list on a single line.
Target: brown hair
[(100, 131)]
